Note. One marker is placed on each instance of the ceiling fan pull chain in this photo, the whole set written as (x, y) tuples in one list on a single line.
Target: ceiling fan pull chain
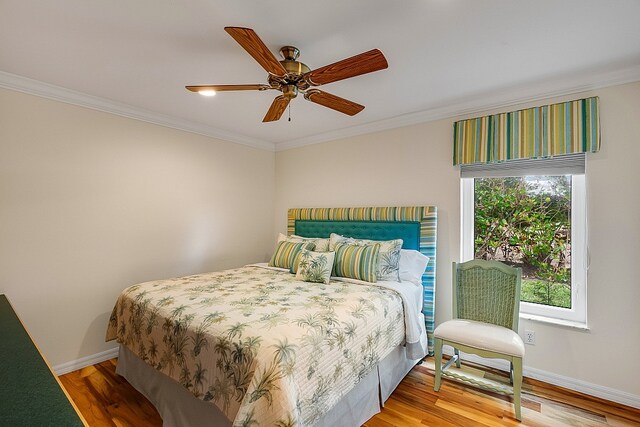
[(289, 111)]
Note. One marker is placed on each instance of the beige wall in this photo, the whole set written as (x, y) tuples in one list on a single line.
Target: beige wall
[(91, 203), (412, 166)]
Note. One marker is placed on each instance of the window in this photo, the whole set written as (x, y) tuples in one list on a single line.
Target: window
[(535, 218)]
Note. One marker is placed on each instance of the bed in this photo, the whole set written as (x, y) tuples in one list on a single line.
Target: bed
[(258, 346)]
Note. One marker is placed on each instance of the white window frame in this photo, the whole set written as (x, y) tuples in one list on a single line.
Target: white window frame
[(577, 314)]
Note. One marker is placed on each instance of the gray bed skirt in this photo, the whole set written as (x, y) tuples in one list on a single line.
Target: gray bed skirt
[(178, 407)]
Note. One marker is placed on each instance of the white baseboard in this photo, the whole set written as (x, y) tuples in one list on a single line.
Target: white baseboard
[(559, 380), (74, 365), (538, 374)]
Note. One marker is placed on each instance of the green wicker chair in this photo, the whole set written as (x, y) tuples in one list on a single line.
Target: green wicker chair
[(486, 305)]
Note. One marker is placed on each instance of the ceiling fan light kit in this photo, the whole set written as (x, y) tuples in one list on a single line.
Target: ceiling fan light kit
[(291, 76)]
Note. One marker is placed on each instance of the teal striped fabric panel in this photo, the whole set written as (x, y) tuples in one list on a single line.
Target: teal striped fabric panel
[(356, 261), (547, 131), (287, 253)]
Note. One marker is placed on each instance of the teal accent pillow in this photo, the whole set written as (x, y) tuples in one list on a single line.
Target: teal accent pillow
[(388, 268), (287, 253), (357, 261), (315, 266)]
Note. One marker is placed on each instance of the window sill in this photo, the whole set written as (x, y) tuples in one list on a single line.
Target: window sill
[(582, 326)]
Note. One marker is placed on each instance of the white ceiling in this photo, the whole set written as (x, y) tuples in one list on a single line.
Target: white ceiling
[(444, 56)]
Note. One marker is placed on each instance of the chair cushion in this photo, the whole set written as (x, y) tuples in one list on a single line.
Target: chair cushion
[(483, 336)]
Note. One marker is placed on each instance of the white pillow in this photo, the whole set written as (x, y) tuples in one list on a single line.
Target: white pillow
[(322, 245), (412, 266)]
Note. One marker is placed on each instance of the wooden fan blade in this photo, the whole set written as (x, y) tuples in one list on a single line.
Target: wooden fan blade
[(249, 40), (221, 88), (278, 106), (334, 102), (363, 63)]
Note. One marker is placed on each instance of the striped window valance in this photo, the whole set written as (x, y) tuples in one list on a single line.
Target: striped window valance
[(547, 131)]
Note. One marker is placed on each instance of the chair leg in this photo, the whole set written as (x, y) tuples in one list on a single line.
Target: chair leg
[(517, 386), (511, 373), (438, 357)]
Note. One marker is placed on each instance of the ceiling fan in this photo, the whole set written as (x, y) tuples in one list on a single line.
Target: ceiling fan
[(291, 77)]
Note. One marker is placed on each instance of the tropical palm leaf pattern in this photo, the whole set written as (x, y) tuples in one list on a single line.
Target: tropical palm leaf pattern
[(255, 342), (315, 266)]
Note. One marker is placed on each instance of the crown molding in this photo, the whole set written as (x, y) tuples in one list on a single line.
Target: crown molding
[(475, 105), (58, 93), (479, 104)]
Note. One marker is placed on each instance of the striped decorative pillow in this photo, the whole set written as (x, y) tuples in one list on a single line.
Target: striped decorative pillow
[(357, 261), (287, 253), (388, 257)]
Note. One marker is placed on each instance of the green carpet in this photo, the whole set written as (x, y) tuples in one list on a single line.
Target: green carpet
[(29, 393)]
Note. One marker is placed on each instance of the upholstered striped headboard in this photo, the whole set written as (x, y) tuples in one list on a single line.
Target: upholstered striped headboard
[(415, 225)]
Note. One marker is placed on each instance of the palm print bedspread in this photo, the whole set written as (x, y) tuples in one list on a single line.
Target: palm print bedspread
[(265, 348)]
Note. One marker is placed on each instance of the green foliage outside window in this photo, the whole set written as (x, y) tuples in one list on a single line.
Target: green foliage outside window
[(526, 222)]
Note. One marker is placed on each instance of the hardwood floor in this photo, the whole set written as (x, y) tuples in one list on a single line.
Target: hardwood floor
[(105, 399)]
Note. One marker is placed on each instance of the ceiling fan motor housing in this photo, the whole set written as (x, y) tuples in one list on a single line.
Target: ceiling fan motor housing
[(289, 91), (293, 80)]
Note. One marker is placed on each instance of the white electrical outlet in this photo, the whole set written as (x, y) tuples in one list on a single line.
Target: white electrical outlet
[(530, 337)]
